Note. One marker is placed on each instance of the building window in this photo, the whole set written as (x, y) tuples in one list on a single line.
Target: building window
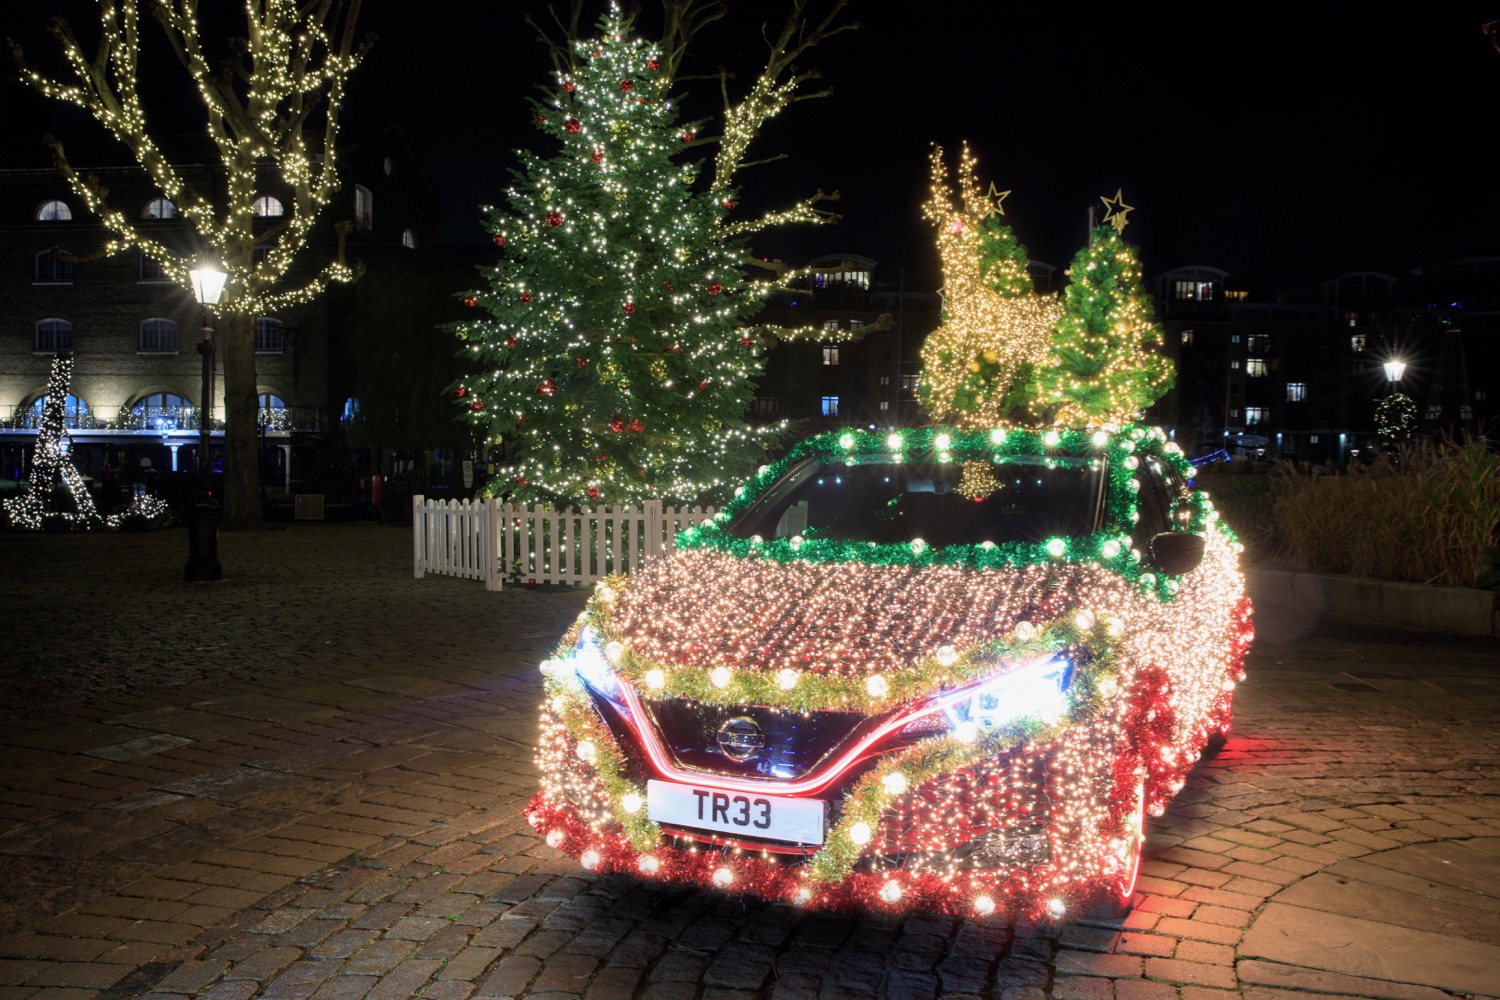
[(909, 383), (830, 406), (1234, 414), (830, 324), (152, 270), (830, 355), (1296, 392), (1258, 343), (76, 412), (1357, 343), (856, 324), (408, 239), (885, 405), (885, 380), (52, 336), (270, 336), (54, 211), (1234, 365), (767, 406), (159, 208), (364, 207), (1256, 415), (351, 411), (1312, 439), (1255, 367), (1193, 291), (267, 207), (157, 336), (1234, 338), (842, 280), (272, 412), (1481, 395), (1351, 317), (54, 267), (162, 411), (1187, 338)]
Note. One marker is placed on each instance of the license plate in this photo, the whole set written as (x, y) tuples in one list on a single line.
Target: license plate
[(743, 814)]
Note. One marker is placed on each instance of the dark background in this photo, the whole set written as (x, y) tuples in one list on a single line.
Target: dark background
[(1285, 144)]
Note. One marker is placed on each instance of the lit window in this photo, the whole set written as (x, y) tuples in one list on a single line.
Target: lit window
[(856, 324), (54, 211), (1187, 338), (265, 207), (1255, 367), (1193, 291), (1357, 343), (159, 208), (76, 412), (272, 413), (1234, 338), (884, 405), (54, 267), (1234, 414), (157, 336), (52, 336), (830, 355), (1234, 365), (1351, 317), (270, 336), (830, 406), (1296, 392), (1312, 439), (364, 207), (830, 324), (164, 411), (408, 239), (1255, 415), (885, 380), (351, 411), (909, 383)]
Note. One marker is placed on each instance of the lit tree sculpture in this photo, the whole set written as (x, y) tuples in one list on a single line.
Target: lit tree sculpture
[(614, 353), (977, 366), (1104, 366), (271, 111)]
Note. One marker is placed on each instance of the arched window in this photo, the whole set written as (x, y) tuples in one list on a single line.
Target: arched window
[(351, 411), (74, 410), (54, 211), (267, 207), (157, 336), (159, 208), (54, 267), (270, 336), (162, 411), (408, 239), (272, 415), (52, 336)]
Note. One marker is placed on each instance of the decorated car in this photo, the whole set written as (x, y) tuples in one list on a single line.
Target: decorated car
[(939, 669)]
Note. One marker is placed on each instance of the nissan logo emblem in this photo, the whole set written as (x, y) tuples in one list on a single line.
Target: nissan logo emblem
[(740, 738)]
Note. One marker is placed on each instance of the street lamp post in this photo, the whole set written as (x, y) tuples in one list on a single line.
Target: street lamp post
[(203, 521)]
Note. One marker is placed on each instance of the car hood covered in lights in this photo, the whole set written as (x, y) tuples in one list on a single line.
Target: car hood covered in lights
[(963, 726)]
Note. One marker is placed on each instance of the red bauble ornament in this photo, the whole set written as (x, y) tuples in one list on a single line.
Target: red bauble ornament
[(510, 342), (459, 392), (616, 424), (478, 404), (636, 425), (640, 100), (626, 86), (541, 120), (470, 301), (687, 137), (653, 65), (498, 239), (668, 284), (598, 156), (554, 219), (715, 288), (520, 480), (572, 126), (581, 363), (525, 298), (568, 86), (703, 385), (593, 492), (547, 387), (729, 203), (601, 458), (597, 53), (629, 308), (746, 342)]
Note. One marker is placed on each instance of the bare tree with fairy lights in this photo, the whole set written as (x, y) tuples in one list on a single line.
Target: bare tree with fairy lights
[(271, 107)]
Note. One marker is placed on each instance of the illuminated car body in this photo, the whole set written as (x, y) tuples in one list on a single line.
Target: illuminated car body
[(946, 670)]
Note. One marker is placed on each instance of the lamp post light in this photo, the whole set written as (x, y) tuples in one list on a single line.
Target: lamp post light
[(1394, 369), (203, 521)]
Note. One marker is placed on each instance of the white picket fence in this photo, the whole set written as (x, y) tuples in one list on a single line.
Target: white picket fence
[(492, 541)]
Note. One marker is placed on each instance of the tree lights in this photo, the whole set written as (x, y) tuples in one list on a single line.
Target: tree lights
[(616, 349), (1011, 710), (260, 109)]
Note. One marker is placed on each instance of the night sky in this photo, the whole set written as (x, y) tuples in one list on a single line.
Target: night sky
[(1283, 143)]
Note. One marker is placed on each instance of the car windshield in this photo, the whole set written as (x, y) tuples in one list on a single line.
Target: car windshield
[(1026, 499)]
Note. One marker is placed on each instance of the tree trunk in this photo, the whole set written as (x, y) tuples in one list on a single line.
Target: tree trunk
[(242, 506)]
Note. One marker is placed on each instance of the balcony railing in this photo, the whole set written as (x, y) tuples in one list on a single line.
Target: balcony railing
[(169, 418)]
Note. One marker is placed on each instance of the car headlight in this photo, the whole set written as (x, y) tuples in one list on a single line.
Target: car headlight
[(1034, 689), (594, 670)]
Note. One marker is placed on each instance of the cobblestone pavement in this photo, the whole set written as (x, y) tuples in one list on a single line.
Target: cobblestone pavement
[(306, 781)]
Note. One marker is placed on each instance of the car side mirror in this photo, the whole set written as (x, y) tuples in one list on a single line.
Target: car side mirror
[(1175, 552)]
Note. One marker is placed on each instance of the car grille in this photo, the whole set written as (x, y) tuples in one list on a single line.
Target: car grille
[(790, 744)]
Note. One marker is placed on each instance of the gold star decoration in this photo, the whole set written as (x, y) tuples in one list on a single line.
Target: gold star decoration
[(997, 200), (1115, 210)]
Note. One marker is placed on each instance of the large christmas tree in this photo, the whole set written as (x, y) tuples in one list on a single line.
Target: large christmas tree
[(1104, 366), (613, 357)]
